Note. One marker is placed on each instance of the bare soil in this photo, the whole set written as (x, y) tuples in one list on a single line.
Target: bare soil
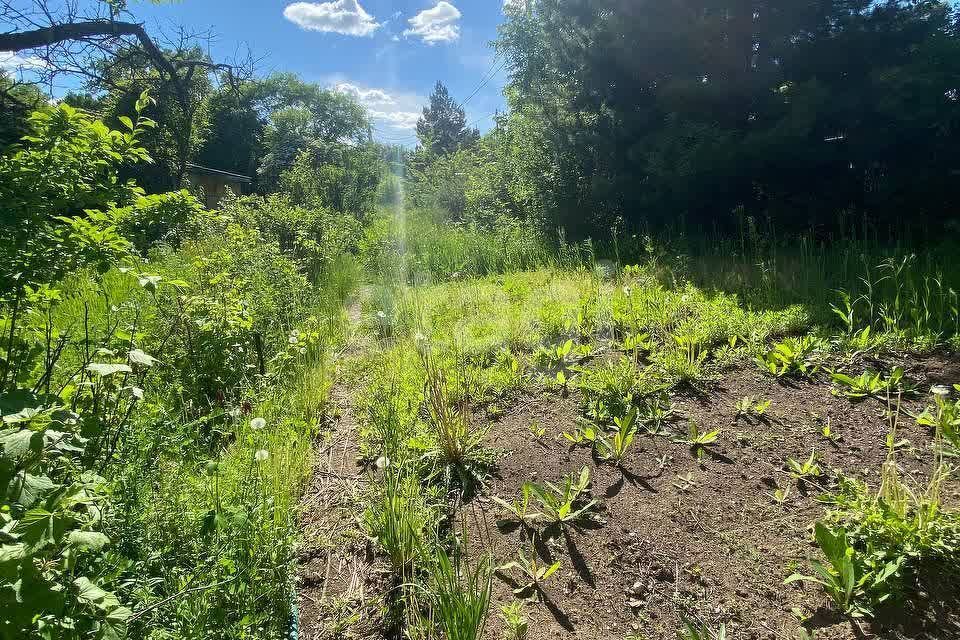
[(716, 549), (719, 549)]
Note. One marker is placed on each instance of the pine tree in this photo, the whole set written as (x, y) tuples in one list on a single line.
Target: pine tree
[(442, 127)]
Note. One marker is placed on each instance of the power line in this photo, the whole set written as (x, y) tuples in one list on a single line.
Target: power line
[(486, 79)]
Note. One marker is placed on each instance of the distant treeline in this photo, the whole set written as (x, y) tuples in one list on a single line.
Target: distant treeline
[(700, 114)]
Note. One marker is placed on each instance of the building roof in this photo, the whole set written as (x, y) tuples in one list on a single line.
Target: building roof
[(225, 175)]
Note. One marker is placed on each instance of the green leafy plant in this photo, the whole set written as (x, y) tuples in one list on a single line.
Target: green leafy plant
[(615, 446), (585, 435), (562, 504), (792, 357), (752, 406), (854, 588), (534, 573), (699, 441), (943, 416), (868, 384), (655, 410), (781, 495), (828, 432), (537, 430), (398, 517), (520, 509), (701, 631), (459, 595), (806, 470), (514, 621), (452, 438)]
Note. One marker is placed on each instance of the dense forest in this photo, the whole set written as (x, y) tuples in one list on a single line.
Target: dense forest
[(668, 351)]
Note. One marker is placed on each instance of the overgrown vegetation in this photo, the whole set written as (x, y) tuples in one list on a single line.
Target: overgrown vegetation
[(629, 247)]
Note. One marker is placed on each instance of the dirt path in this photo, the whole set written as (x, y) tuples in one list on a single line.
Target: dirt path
[(337, 581)]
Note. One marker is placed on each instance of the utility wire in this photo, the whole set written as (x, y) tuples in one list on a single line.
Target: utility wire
[(490, 74)]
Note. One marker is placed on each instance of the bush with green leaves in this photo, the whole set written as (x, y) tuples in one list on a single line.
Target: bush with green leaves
[(60, 187)]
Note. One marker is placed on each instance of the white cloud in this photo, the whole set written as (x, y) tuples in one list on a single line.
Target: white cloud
[(397, 119), (394, 113), (439, 24), (10, 61), (367, 97), (340, 16)]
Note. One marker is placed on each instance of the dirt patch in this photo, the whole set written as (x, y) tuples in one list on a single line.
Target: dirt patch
[(712, 544)]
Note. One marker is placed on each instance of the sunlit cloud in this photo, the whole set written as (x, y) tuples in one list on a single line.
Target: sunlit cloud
[(439, 24), (346, 17)]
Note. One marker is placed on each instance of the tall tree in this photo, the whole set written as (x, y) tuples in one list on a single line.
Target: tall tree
[(663, 111), (442, 127)]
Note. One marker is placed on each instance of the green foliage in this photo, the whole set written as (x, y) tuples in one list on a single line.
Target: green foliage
[(615, 446), (563, 504), (399, 518), (532, 570), (714, 134), (514, 621), (752, 406), (58, 188), (943, 416), (854, 586), (442, 128), (806, 470), (699, 441), (869, 384), (451, 438), (901, 524), (792, 357), (701, 631), (460, 595), (51, 521), (520, 508)]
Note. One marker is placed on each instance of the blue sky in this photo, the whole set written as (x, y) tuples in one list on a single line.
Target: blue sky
[(388, 53)]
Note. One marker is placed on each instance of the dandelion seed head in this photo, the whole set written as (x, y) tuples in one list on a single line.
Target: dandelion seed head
[(258, 423), (940, 390), (261, 455)]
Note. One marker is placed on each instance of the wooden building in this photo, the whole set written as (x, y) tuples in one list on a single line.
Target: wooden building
[(215, 183)]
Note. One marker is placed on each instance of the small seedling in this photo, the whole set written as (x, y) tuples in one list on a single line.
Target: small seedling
[(514, 621), (751, 406), (558, 504), (781, 495), (807, 469), (537, 430), (699, 441), (534, 572), (615, 446), (828, 432), (587, 435), (701, 631), (520, 509)]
